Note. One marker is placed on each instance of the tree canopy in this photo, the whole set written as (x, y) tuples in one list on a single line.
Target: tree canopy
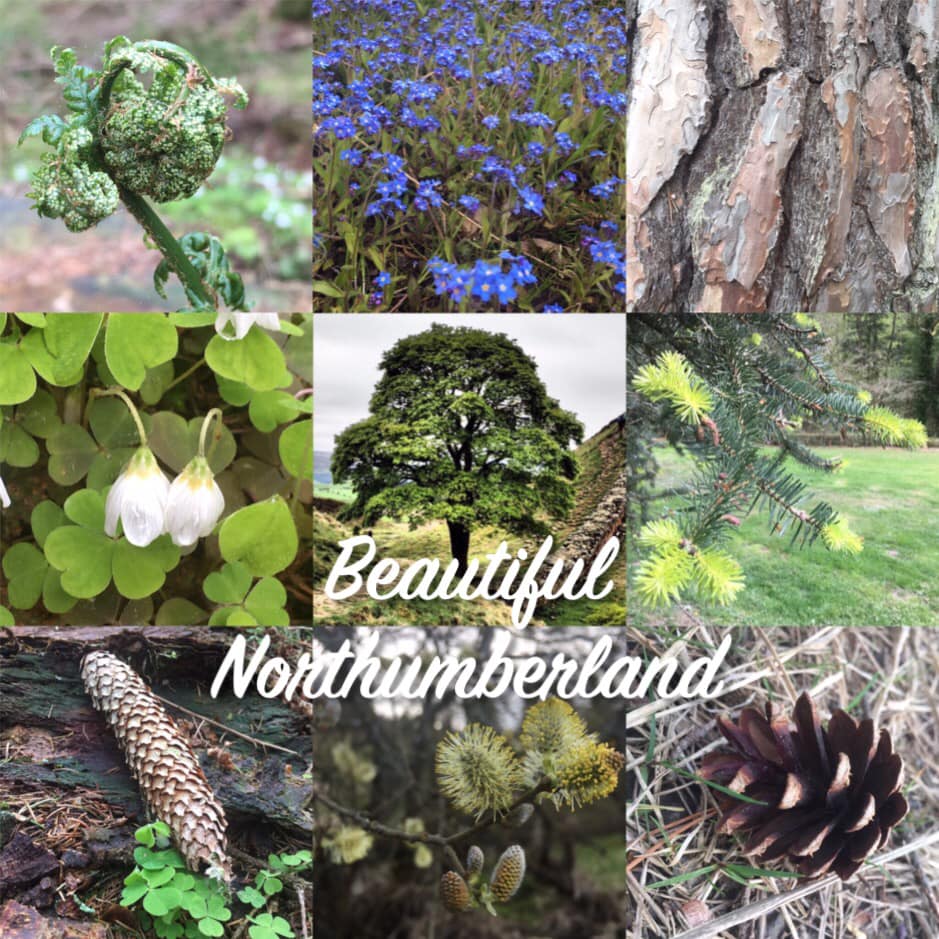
[(461, 428)]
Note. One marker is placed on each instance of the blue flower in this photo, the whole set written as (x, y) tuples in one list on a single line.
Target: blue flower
[(352, 156), (529, 200), (533, 119), (604, 251), (427, 194), (505, 288), (553, 308), (492, 121), (383, 279), (470, 203), (605, 189)]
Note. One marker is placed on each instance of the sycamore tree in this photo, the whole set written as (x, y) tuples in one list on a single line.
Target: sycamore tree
[(733, 394), (462, 429)]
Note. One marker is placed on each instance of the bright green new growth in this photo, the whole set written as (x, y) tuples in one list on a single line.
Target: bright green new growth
[(126, 140), (177, 904)]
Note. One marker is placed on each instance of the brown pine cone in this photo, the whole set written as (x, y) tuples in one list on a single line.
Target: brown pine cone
[(171, 781), (826, 797)]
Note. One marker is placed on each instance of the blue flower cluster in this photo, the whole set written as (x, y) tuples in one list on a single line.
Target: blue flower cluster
[(430, 126), (485, 281), (604, 251)]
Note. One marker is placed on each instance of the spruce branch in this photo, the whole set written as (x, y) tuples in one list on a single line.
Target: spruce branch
[(753, 394)]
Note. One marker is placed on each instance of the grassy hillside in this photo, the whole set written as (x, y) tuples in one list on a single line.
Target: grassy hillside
[(601, 460)]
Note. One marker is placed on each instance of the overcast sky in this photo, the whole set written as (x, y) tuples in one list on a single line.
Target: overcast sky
[(581, 359)]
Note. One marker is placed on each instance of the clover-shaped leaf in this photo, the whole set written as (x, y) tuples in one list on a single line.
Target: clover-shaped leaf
[(135, 342)]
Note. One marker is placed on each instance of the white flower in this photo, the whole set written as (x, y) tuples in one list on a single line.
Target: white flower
[(242, 322), (138, 498), (195, 504), (4, 496)]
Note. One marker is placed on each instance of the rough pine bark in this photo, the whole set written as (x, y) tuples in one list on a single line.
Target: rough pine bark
[(781, 156)]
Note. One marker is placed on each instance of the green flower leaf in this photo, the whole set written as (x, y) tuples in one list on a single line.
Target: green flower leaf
[(17, 447), (71, 453), (229, 585), (141, 572), (261, 536), (256, 360), (25, 569), (58, 352), (296, 449), (136, 342), (266, 603), (17, 378), (84, 559)]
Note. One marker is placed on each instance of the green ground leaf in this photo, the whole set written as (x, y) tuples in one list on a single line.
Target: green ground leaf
[(266, 603), (59, 351), (71, 453), (45, 518), (54, 598), (136, 342), (256, 360), (141, 572), (296, 449), (25, 569), (86, 508), (32, 319), (229, 585), (40, 415), (17, 378), (83, 557), (327, 289), (17, 447), (268, 409), (179, 612), (262, 536)]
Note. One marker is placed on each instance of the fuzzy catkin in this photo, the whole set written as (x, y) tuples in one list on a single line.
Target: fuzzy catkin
[(171, 781)]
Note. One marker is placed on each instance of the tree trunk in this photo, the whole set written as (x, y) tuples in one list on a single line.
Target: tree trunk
[(782, 156), (459, 544)]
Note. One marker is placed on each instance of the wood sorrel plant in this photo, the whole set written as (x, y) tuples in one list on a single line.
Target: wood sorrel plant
[(128, 140), (158, 467)]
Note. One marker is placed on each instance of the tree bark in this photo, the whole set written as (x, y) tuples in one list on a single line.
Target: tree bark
[(459, 545), (782, 156)]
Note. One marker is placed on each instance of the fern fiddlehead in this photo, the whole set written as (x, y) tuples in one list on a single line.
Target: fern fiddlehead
[(127, 139)]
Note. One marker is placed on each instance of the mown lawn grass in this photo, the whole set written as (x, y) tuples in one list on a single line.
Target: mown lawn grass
[(890, 497)]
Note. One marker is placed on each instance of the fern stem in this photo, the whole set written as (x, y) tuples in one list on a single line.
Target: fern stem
[(169, 247)]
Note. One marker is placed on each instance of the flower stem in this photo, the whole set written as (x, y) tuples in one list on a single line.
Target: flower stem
[(117, 393), (181, 378), (169, 247), (216, 413)]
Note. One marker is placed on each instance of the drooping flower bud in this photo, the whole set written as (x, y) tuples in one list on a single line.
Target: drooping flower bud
[(194, 505), (138, 499)]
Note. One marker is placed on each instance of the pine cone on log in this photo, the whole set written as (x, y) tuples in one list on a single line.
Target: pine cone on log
[(171, 781), (826, 797)]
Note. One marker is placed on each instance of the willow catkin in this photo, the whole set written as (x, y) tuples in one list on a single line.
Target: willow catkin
[(171, 781)]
